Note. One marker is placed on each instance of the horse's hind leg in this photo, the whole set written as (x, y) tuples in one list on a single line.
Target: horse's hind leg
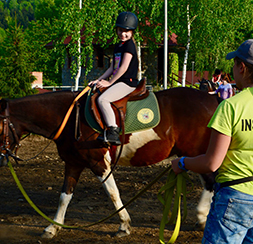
[(203, 207), (72, 175)]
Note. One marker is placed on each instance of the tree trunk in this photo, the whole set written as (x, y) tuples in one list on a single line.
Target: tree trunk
[(79, 67), (139, 58), (187, 47)]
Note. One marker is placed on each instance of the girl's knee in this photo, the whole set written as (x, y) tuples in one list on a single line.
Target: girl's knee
[(103, 102)]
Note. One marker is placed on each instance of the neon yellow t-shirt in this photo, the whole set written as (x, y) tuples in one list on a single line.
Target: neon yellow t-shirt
[(234, 117)]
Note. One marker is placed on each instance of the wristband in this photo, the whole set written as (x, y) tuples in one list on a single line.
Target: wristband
[(181, 164)]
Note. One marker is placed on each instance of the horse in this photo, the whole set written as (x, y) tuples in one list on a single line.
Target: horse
[(207, 85), (182, 130)]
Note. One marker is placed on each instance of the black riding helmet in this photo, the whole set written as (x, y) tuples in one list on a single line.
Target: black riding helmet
[(127, 20)]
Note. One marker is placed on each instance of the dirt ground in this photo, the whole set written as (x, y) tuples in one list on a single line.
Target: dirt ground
[(42, 178)]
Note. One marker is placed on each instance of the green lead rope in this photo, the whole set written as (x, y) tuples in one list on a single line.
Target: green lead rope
[(165, 196)]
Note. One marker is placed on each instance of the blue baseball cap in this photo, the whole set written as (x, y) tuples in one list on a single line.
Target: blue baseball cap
[(244, 52)]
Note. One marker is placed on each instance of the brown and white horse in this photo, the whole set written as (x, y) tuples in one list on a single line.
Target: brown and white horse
[(182, 130)]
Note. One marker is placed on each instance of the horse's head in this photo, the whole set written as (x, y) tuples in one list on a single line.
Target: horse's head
[(207, 85), (204, 85)]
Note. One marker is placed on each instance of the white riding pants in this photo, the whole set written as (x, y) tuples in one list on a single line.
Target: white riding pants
[(112, 94)]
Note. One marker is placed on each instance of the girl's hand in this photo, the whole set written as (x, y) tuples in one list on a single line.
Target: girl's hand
[(103, 83), (92, 83), (174, 165)]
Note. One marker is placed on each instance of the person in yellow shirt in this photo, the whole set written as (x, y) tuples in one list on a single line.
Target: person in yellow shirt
[(230, 151)]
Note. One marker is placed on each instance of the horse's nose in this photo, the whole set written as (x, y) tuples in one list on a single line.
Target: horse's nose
[(3, 161)]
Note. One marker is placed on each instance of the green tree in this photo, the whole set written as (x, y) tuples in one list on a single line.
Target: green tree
[(60, 19), (219, 27), (15, 68), (63, 19), (173, 69)]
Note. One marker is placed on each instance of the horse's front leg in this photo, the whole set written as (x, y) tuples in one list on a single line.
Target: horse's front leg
[(72, 175), (113, 192)]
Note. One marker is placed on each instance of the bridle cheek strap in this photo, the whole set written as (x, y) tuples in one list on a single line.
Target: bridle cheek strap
[(6, 126), (5, 133)]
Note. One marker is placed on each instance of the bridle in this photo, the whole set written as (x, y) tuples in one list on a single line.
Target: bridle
[(7, 126)]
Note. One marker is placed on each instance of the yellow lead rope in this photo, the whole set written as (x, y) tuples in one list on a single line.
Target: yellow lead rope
[(89, 225), (165, 196), (31, 202), (167, 191)]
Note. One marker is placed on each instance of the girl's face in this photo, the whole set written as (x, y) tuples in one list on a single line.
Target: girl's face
[(124, 34)]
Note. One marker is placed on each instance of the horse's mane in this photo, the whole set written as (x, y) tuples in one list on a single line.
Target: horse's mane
[(53, 94), (57, 101), (48, 97)]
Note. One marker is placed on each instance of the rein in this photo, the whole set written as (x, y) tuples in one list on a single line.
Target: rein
[(65, 120), (5, 148)]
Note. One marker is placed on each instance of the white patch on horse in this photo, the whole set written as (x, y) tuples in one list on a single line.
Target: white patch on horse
[(137, 140), (107, 160), (204, 207), (52, 229)]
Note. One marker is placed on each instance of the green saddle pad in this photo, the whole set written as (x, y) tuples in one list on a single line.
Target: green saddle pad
[(140, 115)]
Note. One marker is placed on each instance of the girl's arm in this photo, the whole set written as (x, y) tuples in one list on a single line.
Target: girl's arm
[(212, 160), (122, 69)]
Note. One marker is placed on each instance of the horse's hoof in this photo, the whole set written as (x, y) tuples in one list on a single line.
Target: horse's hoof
[(47, 235), (122, 233)]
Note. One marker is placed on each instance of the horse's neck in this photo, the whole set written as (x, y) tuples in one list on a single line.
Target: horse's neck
[(39, 114)]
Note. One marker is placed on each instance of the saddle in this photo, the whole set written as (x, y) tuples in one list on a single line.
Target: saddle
[(119, 107)]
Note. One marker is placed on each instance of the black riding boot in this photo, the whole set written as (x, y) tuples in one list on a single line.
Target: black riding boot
[(112, 135)]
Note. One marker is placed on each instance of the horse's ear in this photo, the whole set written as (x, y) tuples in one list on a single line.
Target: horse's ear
[(3, 105)]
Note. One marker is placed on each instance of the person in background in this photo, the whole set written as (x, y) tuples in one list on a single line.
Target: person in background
[(230, 151), (122, 74), (224, 90), (216, 77)]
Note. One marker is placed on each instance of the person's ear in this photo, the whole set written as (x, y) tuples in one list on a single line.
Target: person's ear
[(242, 67)]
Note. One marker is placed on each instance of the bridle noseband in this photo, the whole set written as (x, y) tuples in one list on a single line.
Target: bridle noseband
[(7, 126)]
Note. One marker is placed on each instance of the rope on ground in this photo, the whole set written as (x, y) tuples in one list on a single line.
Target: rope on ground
[(83, 226)]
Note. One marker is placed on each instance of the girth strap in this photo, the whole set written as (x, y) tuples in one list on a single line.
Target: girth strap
[(235, 182)]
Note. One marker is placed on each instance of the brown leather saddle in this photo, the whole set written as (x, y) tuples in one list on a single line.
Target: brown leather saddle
[(119, 107)]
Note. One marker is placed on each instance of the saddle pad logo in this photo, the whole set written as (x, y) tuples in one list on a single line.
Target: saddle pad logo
[(145, 115)]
